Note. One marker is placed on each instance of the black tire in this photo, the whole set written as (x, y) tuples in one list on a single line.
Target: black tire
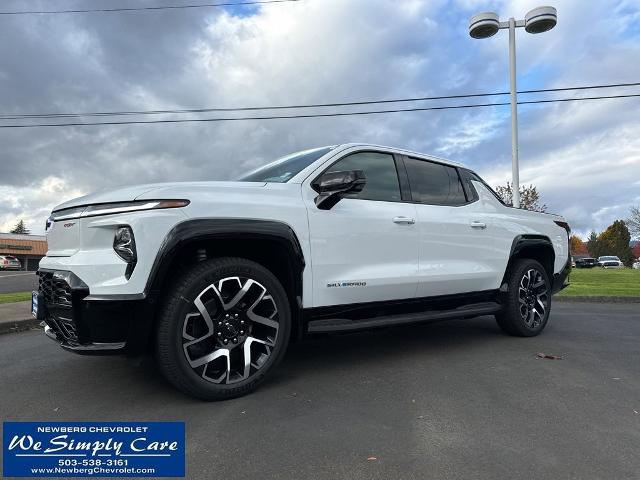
[(185, 338), (513, 319)]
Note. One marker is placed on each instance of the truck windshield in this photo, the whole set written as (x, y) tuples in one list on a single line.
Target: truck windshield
[(284, 169)]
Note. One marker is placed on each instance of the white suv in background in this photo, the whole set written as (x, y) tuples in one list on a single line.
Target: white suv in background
[(216, 278), (610, 261)]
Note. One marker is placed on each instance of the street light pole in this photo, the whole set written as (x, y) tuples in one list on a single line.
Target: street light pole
[(485, 25), (515, 167)]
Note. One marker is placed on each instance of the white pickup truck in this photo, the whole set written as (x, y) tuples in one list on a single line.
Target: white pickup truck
[(216, 278)]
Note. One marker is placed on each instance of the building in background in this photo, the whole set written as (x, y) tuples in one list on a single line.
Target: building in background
[(29, 249)]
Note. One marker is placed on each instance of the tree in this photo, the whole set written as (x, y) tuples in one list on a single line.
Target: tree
[(577, 246), (633, 222), (593, 245), (615, 241), (20, 228), (529, 197), (636, 251)]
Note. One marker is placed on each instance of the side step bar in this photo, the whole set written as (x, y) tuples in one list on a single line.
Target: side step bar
[(347, 325)]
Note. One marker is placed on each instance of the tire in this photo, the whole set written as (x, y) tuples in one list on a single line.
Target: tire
[(249, 319), (521, 314)]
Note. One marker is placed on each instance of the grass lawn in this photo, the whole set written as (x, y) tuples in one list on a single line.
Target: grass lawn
[(600, 282), (585, 282), (15, 297)]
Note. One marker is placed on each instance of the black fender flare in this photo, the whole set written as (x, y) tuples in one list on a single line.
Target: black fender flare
[(521, 242), (228, 228)]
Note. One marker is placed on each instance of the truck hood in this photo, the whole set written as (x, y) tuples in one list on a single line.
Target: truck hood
[(155, 191)]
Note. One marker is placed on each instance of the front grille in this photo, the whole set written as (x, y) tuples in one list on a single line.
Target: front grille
[(57, 294), (55, 290), (63, 326)]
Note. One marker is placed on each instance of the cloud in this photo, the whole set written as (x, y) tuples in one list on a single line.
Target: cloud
[(31, 203), (581, 156)]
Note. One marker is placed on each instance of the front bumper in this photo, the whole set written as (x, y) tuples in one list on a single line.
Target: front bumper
[(82, 325)]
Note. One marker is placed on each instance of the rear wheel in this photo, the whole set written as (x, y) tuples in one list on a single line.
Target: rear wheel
[(224, 327), (527, 303)]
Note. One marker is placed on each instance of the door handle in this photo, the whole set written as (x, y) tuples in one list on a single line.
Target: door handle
[(404, 220), (481, 225)]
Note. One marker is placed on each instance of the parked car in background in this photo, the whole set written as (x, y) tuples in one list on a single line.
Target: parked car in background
[(7, 262), (586, 262), (610, 261)]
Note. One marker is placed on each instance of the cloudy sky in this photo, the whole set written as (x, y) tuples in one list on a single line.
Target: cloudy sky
[(584, 157)]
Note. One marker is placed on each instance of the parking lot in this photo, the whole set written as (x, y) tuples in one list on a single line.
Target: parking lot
[(12, 282), (456, 400)]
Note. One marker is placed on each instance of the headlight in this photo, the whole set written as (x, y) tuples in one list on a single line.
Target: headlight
[(116, 207), (124, 244)]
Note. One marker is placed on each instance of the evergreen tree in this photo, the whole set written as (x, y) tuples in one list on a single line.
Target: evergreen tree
[(615, 241), (20, 228), (593, 245)]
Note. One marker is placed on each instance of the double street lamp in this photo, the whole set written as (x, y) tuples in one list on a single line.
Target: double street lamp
[(485, 25)]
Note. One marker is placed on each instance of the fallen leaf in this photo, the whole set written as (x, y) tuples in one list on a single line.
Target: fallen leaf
[(549, 357)]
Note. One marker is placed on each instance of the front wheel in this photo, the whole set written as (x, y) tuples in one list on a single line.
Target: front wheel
[(224, 327), (527, 303)]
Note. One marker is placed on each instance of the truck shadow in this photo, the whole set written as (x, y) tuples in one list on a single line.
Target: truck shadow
[(314, 359), (377, 348)]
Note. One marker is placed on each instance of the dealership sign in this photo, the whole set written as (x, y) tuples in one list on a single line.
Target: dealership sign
[(8, 246), (88, 449)]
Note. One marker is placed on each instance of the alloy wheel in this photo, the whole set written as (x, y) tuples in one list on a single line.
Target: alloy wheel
[(533, 298), (231, 330)]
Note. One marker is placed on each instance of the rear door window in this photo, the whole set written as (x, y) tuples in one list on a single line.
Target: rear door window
[(434, 183)]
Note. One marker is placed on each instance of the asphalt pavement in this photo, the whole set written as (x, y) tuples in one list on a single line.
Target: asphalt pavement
[(13, 282), (449, 400)]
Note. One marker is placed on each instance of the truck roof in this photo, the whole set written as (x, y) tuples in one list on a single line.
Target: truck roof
[(402, 151)]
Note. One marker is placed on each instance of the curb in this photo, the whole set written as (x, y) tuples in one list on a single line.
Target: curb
[(18, 325), (597, 299)]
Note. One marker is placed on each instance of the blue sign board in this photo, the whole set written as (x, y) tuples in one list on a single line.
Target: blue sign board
[(93, 449)]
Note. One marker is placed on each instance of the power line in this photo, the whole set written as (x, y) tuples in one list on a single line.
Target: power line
[(137, 9), (312, 115), (304, 106)]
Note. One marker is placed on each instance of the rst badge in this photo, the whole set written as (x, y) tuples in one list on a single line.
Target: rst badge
[(87, 449)]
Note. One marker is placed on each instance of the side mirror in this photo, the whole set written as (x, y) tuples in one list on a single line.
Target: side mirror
[(332, 186)]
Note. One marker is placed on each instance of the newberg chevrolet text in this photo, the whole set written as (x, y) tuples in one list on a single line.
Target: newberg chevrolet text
[(216, 278)]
